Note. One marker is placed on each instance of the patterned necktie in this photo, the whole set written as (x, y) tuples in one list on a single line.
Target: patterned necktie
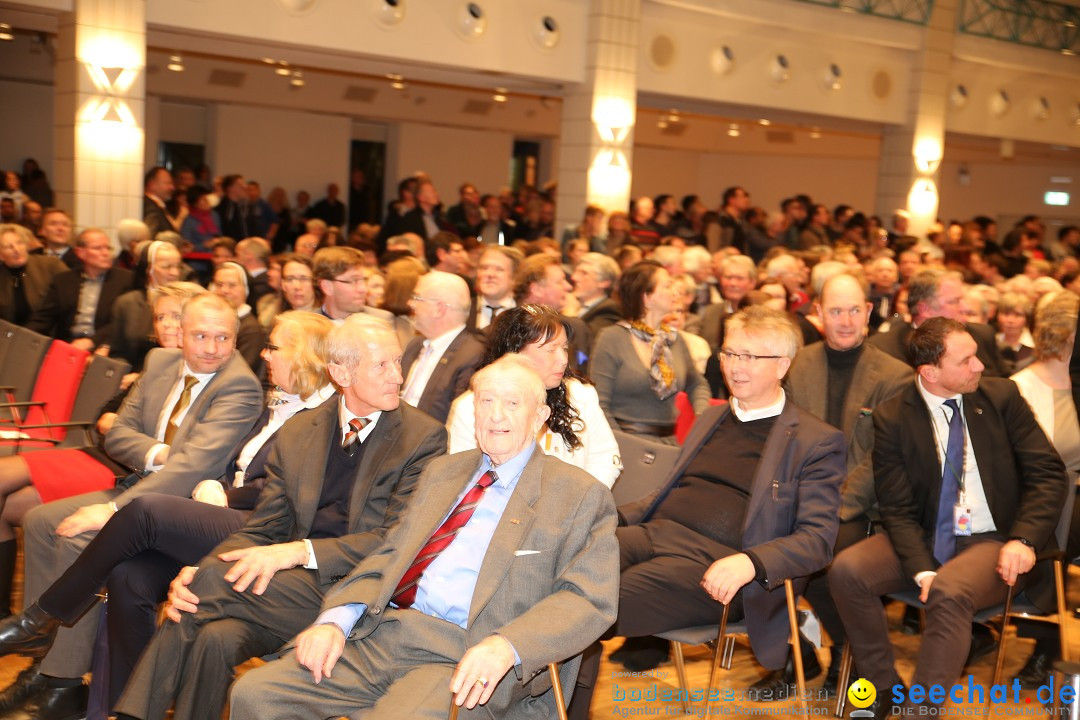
[(182, 402), (352, 437), (405, 594), (944, 532)]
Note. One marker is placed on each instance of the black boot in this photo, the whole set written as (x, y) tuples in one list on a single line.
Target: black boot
[(53, 703), (30, 633), (28, 683), (776, 685), (8, 550), (1041, 663), (643, 653)]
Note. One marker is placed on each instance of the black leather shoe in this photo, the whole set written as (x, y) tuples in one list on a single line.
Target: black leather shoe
[(52, 703), (29, 633), (883, 708), (911, 624), (780, 684), (28, 683), (832, 678), (1036, 671), (982, 643), (638, 654)]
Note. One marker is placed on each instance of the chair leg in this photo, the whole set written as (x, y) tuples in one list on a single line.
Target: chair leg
[(556, 685), (680, 671), (1063, 617), (796, 650), (720, 637), (843, 680), (999, 663)]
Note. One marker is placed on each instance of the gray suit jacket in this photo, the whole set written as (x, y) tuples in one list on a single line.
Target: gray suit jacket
[(206, 440), (550, 605), (398, 448), (451, 376), (877, 377), (791, 520)]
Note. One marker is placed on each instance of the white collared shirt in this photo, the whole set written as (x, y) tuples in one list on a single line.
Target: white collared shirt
[(483, 315), (426, 362), (974, 495), (761, 413), (170, 401), (278, 416)]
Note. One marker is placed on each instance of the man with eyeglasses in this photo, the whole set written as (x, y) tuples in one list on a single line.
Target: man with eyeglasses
[(339, 272), (840, 380), (438, 365), (753, 499)]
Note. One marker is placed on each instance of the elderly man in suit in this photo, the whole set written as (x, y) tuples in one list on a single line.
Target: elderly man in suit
[(736, 275), (337, 478), (78, 305), (841, 380), (969, 489), (181, 424), (937, 293), (439, 364), (752, 500), (528, 577), (594, 279)]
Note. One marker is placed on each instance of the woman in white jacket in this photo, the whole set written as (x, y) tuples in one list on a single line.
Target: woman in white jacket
[(577, 431)]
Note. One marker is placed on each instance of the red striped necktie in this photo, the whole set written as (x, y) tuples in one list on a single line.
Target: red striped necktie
[(405, 594), (356, 425)]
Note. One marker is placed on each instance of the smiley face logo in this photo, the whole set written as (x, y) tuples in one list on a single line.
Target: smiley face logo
[(862, 693)]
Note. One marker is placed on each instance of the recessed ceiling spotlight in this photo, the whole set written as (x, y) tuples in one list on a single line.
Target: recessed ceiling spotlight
[(815, 133), (283, 69), (5, 32), (297, 79), (471, 22), (269, 61), (733, 130), (500, 95), (176, 63), (765, 121), (389, 13)]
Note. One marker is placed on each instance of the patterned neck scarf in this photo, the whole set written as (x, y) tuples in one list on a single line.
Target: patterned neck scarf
[(661, 374)]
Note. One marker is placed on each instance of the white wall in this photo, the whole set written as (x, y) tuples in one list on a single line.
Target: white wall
[(1008, 189), (26, 125), (450, 156), (296, 150)]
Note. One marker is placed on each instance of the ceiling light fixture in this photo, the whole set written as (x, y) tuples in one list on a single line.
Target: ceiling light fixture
[(5, 32), (765, 121), (733, 130), (297, 80), (500, 95), (283, 69), (176, 63)]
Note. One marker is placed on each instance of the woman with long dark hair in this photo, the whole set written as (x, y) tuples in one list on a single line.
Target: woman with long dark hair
[(576, 431)]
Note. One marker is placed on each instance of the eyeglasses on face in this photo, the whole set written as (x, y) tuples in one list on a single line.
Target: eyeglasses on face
[(745, 357)]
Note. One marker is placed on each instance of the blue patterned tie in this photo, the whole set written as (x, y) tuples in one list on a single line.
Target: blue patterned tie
[(944, 534)]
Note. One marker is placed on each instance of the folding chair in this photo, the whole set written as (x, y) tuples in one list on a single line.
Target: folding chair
[(556, 686), (1014, 607), (53, 398), (100, 384), (23, 354)]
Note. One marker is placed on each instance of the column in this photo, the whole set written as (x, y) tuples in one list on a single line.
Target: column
[(99, 112), (911, 154), (597, 134)]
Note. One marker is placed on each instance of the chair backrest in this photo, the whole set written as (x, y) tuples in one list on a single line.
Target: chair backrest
[(22, 359), (7, 333), (646, 464), (685, 416), (99, 385), (56, 386), (1064, 526)]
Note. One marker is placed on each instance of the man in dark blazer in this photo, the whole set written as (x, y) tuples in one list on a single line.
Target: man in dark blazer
[(594, 278), (841, 381), (541, 281), (937, 293), (752, 500), (969, 489), (337, 478), (531, 578), (24, 278), (157, 190), (78, 305), (220, 409), (423, 220), (438, 365)]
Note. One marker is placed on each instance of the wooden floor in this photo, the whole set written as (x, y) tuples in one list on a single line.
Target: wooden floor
[(619, 696)]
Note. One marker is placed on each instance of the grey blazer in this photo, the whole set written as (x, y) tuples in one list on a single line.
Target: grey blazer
[(206, 440), (877, 377), (398, 448), (550, 604), (791, 520)]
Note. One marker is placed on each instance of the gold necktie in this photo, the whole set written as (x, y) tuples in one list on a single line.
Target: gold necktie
[(171, 427)]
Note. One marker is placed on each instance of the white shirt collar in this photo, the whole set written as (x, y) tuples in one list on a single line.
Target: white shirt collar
[(201, 377), (345, 415), (933, 402), (439, 343), (760, 413)]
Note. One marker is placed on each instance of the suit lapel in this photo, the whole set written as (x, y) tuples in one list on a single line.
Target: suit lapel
[(324, 430), (772, 456), (920, 425), (378, 445), (436, 384), (864, 378), (982, 443), (409, 356), (515, 523), (817, 374)]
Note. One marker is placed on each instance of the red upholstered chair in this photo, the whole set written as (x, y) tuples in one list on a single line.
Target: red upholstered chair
[(51, 402), (685, 421)]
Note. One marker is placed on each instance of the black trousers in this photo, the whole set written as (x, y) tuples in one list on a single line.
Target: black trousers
[(135, 556)]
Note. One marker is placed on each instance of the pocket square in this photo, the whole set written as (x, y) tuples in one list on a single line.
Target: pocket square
[(519, 553)]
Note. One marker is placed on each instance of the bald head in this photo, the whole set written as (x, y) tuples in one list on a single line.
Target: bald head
[(440, 303), (844, 311)]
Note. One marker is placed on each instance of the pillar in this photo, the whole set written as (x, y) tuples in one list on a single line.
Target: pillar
[(99, 111), (911, 154), (597, 134)]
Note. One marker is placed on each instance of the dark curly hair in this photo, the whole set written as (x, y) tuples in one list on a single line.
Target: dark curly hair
[(517, 327)]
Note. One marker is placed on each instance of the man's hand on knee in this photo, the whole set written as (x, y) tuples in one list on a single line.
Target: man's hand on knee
[(1014, 560), (258, 564), (318, 649), (181, 599), (480, 670), (85, 519)]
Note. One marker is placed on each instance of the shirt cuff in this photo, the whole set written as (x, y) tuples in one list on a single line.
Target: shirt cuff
[(312, 563), (344, 616), (919, 577), (517, 658), (150, 467)]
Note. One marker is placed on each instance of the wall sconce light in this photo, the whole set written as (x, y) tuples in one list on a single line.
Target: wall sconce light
[(833, 78), (5, 32), (927, 156), (1041, 109), (722, 60), (613, 118), (781, 69)]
